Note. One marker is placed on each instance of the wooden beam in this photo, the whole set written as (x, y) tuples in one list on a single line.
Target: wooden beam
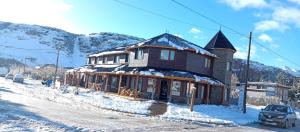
[(188, 92), (119, 86), (193, 98), (170, 93), (136, 86), (86, 80), (207, 94), (106, 82)]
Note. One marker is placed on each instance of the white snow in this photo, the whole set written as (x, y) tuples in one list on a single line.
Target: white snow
[(213, 114), (98, 99), (163, 39), (107, 65), (208, 80), (107, 53), (152, 72)]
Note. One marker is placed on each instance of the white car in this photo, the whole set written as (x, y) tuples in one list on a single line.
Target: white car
[(18, 78)]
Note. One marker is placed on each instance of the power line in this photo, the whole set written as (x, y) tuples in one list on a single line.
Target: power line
[(160, 15), (235, 31)]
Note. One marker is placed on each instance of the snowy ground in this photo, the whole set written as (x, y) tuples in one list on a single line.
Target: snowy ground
[(31, 106), (227, 115)]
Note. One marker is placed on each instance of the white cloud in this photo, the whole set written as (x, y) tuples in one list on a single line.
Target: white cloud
[(195, 31), (279, 60), (41, 12), (270, 25), (287, 15), (265, 38), (239, 4), (242, 52), (295, 1)]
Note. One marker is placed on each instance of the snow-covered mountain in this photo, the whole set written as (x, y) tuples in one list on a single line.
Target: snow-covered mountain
[(261, 72), (21, 41), (291, 71)]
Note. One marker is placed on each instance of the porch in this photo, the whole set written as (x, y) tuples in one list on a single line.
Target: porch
[(155, 87)]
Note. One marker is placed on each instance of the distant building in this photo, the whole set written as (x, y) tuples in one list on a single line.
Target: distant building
[(262, 93), (165, 68)]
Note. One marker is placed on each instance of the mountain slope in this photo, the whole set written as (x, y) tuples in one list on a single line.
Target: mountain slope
[(39, 42), (260, 72)]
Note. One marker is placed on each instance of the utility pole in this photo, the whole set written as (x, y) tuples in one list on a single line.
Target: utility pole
[(247, 74), (55, 74)]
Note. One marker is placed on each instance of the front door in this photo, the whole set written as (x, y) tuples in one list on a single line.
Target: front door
[(163, 90)]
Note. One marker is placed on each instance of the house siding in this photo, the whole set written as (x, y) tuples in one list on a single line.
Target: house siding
[(138, 62), (196, 63)]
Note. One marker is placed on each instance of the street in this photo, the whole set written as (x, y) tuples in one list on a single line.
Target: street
[(21, 112)]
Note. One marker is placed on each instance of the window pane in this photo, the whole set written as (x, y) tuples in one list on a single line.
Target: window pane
[(176, 88), (164, 54), (172, 54)]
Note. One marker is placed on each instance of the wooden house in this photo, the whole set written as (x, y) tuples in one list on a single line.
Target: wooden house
[(165, 68)]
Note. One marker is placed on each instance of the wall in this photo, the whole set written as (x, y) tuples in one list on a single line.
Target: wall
[(138, 62), (196, 63)]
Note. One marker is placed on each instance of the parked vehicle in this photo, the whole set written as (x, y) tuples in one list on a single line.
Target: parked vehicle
[(9, 76), (18, 78), (279, 115)]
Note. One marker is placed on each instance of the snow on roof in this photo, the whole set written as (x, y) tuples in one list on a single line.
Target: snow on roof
[(81, 69), (107, 53), (169, 40), (207, 80)]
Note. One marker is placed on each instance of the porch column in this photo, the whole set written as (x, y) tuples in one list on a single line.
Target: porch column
[(65, 79), (170, 93), (207, 94), (86, 80), (106, 82), (188, 93), (223, 95), (119, 86), (135, 87)]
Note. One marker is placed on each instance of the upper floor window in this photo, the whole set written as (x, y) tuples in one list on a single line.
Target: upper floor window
[(207, 62), (89, 61), (126, 58), (167, 54), (96, 60), (116, 59), (138, 54), (228, 66), (104, 59)]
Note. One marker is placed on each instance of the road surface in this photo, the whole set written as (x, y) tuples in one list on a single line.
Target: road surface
[(20, 112)]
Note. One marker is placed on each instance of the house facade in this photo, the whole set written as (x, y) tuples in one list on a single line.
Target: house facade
[(165, 68)]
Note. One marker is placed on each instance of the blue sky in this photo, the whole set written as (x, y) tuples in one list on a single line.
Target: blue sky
[(275, 23)]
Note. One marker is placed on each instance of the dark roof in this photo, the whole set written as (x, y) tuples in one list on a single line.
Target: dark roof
[(219, 41), (120, 48), (169, 40), (165, 72)]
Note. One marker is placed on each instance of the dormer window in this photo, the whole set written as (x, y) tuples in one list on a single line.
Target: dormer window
[(207, 63), (104, 59), (138, 54), (116, 59), (167, 54)]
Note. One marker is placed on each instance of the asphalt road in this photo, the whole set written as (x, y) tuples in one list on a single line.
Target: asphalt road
[(88, 118)]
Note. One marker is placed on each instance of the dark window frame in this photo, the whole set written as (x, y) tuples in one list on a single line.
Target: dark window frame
[(169, 55)]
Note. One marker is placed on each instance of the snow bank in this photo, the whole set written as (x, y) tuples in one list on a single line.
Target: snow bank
[(212, 114), (85, 96)]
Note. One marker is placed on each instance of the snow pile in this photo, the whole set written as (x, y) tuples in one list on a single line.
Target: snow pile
[(107, 53), (152, 72), (85, 96), (213, 114), (207, 80)]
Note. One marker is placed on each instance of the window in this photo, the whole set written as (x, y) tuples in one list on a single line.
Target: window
[(100, 59), (167, 54), (151, 85), (176, 88), (126, 58), (228, 66), (140, 84), (89, 61), (138, 53), (96, 60), (117, 59), (92, 60), (207, 62), (114, 83), (104, 60)]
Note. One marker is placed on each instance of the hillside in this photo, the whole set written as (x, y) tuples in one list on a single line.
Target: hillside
[(261, 72), (21, 41)]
